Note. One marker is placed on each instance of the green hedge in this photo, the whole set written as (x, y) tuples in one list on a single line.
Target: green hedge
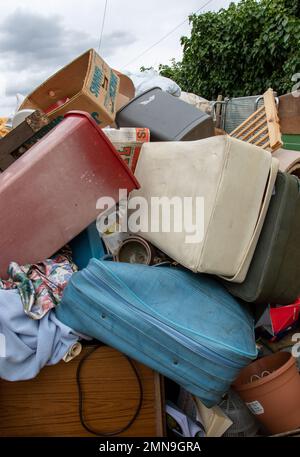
[(241, 50)]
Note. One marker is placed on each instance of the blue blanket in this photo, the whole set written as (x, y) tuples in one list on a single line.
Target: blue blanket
[(27, 345)]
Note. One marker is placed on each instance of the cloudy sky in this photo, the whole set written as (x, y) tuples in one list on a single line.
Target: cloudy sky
[(37, 38)]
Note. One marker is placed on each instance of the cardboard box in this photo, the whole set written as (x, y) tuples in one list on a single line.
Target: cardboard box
[(86, 84), (126, 90)]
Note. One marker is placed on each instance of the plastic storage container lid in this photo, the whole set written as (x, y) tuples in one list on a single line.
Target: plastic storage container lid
[(106, 140), (195, 123)]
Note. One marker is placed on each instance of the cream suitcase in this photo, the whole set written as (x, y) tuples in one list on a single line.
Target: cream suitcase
[(234, 178)]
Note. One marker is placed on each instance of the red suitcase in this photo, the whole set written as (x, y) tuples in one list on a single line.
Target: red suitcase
[(49, 195)]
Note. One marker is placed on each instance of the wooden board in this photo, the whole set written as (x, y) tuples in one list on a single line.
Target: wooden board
[(289, 114), (272, 120), (218, 112), (48, 404), (13, 145)]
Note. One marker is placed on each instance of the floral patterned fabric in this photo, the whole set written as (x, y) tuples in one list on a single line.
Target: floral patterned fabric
[(41, 285)]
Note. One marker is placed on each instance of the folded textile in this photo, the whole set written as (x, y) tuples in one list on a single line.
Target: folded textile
[(28, 345), (41, 285)]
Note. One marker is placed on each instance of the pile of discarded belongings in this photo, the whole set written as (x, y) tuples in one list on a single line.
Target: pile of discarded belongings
[(130, 219)]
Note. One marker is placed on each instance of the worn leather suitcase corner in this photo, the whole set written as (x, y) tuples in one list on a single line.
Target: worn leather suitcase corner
[(274, 274)]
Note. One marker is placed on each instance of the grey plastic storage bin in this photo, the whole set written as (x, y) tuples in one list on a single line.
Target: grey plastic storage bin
[(167, 117)]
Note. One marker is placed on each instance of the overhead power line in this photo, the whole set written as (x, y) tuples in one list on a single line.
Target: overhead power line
[(102, 27), (166, 35)]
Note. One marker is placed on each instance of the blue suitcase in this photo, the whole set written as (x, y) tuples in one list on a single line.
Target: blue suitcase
[(183, 325)]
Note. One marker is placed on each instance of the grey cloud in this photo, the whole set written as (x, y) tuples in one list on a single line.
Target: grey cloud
[(29, 40), (33, 46), (8, 105), (24, 85)]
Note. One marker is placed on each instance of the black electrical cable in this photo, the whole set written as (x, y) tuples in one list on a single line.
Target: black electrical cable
[(81, 403), (167, 34)]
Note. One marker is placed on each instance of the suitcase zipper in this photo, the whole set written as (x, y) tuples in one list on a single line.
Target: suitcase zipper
[(210, 390), (197, 348)]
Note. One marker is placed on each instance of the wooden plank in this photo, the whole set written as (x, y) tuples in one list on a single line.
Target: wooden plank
[(272, 120), (218, 112), (17, 137), (251, 127), (48, 405), (246, 121), (259, 131), (289, 113), (256, 128), (261, 140)]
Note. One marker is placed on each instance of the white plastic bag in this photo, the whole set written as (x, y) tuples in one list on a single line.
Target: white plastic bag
[(20, 98), (150, 78)]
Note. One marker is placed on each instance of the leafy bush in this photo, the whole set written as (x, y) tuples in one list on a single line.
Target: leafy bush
[(241, 50)]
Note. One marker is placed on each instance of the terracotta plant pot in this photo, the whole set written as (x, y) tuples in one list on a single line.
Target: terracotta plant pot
[(270, 387)]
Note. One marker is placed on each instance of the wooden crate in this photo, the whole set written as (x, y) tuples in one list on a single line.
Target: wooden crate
[(262, 127)]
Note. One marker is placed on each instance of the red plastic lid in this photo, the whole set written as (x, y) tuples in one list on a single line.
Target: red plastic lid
[(87, 116)]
